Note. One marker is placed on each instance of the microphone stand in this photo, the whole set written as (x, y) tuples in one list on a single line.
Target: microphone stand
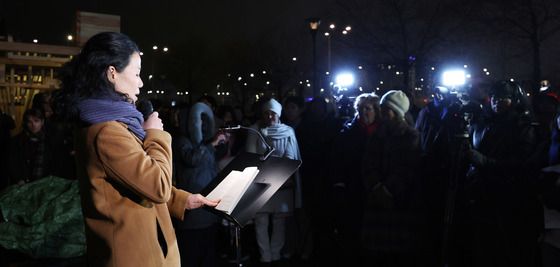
[(237, 230), (269, 148)]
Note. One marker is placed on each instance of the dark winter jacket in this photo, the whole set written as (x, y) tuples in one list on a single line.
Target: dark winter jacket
[(393, 189), (501, 198), (195, 163)]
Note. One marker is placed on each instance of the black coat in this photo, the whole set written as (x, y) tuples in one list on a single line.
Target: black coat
[(503, 213), (393, 188)]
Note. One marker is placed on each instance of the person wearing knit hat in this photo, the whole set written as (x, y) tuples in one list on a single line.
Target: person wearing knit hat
[(397, 101), (391, 182), (273, 105), (282, 137)]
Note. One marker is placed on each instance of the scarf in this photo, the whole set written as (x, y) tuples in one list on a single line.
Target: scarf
[(368, 129), (277, 131), (93, 111)]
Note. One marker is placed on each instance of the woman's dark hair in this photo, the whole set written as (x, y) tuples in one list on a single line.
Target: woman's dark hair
[(35, 112), (222, 110), (85, 76)]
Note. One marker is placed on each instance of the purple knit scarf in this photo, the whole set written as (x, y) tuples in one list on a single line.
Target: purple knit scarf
[(94, 111)]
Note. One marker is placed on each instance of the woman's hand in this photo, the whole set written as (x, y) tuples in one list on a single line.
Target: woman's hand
[(195, 201), (153, 122)]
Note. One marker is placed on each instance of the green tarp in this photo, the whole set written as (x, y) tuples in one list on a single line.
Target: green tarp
[(43, 219)]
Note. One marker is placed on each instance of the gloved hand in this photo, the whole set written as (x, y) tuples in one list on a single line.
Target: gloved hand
[(477, 158)]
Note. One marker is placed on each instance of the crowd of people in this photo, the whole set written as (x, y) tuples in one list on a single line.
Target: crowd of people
[(458, 183)]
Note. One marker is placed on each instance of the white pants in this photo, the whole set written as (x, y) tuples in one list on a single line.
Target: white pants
[(270, 247)]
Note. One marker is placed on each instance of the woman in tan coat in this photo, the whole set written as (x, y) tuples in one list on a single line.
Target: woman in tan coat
[(123, 162)]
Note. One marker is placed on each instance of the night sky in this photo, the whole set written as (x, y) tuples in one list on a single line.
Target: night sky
[(211, 33)]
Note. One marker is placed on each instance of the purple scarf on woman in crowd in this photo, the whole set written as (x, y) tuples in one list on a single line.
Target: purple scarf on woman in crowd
[(94, 111)]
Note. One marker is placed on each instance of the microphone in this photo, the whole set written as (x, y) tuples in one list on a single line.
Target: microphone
[(269, 148), (229, 128), (145, 107)]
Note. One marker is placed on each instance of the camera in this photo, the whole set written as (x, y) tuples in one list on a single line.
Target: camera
[(454, 96)]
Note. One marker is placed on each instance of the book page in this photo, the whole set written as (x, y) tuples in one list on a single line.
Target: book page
[(234, 188), (221, 190)]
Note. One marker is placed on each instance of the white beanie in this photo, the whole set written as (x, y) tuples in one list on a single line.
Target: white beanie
[(397, 101), (273, 105)]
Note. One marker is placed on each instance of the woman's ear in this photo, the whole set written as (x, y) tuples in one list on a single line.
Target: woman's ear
[(111, 74)]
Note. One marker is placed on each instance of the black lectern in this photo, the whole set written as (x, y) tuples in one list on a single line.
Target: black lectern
[(273, 173)]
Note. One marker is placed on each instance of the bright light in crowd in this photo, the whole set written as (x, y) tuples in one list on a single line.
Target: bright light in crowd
[(344, 79), (327, 73), (322, 90), (511, 80), (239, 78), (294, 58), (360, 67), (380, 82), (453, 78), (487, 73), (348, 28), (345, 32), (35, 40), (165, 49), (264, 71), (465, 66), (327, 34), (485, 69), (141, 53), (150, 77), (267, 82), (331, 26), (154, 47), (252, 75), (69, 37), (433, 68)]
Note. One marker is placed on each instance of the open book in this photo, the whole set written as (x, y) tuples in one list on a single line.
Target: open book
[(232, 188)]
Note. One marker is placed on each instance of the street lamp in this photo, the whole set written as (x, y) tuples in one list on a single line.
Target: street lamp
[(328, 35), (313, 27)]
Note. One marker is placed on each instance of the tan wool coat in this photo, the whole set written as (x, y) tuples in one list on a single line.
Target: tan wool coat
[(127, 196)]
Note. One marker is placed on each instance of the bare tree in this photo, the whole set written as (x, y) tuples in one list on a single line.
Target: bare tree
[(529, 23), (402, 32)]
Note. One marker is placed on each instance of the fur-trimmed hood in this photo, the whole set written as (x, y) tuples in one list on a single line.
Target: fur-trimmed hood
[(201, 126)]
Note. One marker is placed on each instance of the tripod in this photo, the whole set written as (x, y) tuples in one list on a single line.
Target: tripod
[(461, 146)]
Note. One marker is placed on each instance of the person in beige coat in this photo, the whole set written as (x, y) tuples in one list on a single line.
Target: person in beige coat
[(123, 162)]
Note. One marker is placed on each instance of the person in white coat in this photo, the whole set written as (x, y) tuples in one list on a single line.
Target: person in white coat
[(282, 204)]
